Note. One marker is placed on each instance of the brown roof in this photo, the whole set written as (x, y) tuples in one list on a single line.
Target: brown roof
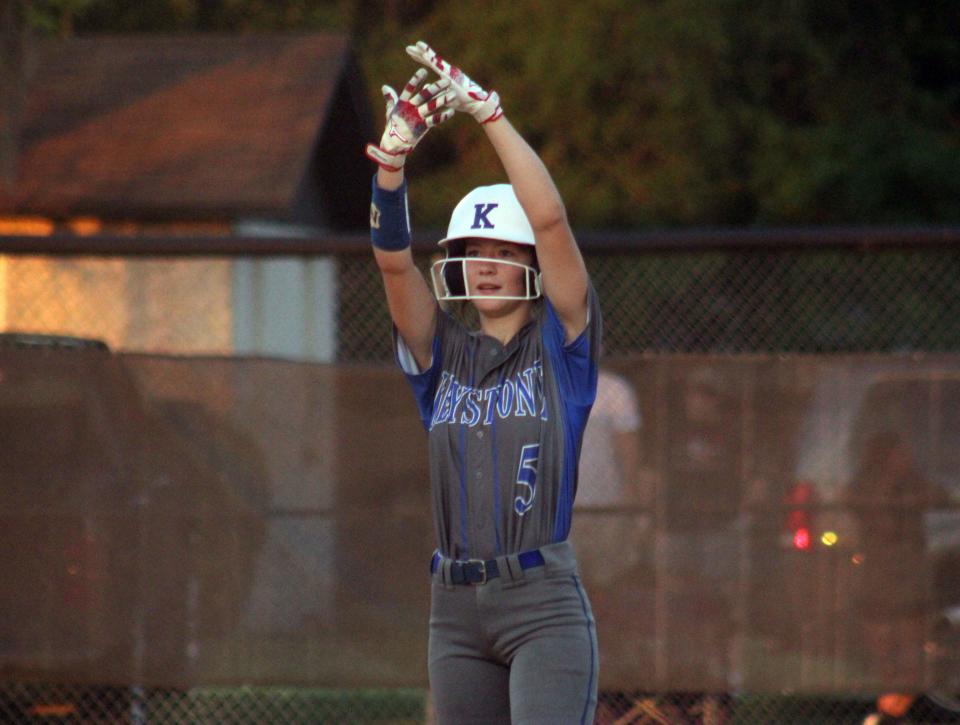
[(184, 126)]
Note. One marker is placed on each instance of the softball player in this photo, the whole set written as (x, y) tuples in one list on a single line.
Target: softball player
[(512, 635)]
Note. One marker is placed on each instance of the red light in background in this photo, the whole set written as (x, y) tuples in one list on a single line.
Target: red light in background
[(799, 519)]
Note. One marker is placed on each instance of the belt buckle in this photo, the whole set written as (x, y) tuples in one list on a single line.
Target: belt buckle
[(483, 570)]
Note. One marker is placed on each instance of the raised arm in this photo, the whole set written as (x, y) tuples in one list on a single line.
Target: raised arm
[(409, 116), (564, 272)]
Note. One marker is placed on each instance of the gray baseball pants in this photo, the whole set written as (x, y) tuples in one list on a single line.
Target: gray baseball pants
[(520, 649)]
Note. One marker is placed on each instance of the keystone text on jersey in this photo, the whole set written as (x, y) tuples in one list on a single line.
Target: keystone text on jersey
[(520, 395)]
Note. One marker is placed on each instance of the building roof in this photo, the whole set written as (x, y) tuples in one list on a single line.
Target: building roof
[(195, 126)]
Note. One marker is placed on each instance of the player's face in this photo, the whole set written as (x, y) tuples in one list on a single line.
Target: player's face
[(486, 278)]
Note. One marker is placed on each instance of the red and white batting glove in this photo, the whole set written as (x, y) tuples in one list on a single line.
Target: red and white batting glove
[(409, 116), (469, 97)]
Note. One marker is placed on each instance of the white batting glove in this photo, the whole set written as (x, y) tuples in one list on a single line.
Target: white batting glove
[(409, 116), (469, 97)]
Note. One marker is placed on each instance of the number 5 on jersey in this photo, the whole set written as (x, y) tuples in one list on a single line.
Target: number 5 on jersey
[(527, 478)]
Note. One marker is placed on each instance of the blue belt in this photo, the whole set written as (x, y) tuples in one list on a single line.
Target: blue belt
[(479, 571)]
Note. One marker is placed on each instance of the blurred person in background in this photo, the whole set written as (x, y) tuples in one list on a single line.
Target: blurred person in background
[(609, 468), (699, 540), (612, 527), (890, 494)]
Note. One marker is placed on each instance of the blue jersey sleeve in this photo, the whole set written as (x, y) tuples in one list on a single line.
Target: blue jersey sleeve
[(575, 366), (576, 363)]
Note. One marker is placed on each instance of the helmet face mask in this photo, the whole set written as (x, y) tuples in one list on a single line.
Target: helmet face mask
[(450, 280), (492, 213)]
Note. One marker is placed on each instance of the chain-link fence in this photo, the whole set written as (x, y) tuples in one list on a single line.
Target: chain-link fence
[(859, 297), (213, 706), (21, 702), (784, 365), (815, 300)]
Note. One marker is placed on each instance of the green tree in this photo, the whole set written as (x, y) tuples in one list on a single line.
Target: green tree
[(684, 113), (603, 90), (848, 111), (53, 17)]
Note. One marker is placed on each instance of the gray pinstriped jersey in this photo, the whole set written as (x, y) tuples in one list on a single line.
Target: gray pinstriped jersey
[(505, 425)]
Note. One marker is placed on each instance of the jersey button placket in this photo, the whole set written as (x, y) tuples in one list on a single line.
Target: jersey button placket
[(478, 512), (477, 458)]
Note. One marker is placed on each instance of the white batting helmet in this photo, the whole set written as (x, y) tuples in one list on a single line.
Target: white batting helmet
[(490, 212), (487, 212)]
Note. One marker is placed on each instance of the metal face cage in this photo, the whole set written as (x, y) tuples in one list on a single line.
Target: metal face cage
[(449, 278)]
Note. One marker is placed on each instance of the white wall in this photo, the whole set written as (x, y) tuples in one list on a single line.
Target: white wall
[(285, 307)]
